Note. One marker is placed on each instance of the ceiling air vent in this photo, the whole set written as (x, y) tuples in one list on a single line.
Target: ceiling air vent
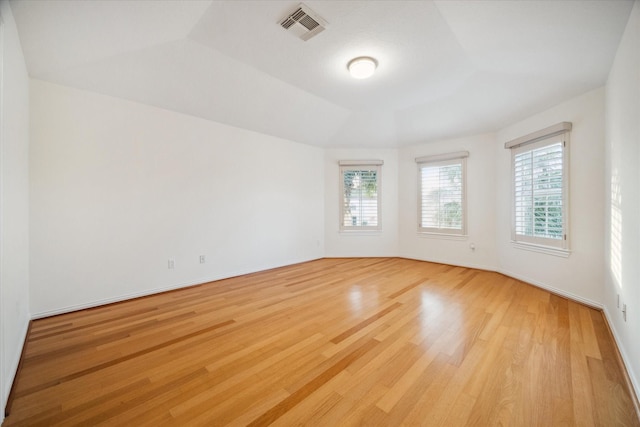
[(303, 22)]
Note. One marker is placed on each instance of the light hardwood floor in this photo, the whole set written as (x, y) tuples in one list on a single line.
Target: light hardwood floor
[(333, 342)]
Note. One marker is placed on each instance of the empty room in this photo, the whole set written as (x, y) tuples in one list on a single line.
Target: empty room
[(332, 213)]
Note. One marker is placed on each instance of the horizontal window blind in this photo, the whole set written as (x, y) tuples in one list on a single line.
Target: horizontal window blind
[(360, 194), (441, 193), (538, 185)]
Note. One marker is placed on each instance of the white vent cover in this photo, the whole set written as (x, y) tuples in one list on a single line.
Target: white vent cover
[(303, 22)]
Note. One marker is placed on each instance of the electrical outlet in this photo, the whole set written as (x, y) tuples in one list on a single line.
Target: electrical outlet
[(171, 264), (202, 259), (624, 312), (618, 303)]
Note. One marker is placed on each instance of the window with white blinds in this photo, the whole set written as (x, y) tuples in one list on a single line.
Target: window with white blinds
[(540, 189), (360, 195), (441, 194)]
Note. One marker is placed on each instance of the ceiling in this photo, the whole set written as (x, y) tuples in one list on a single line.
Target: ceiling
[(446, 68)]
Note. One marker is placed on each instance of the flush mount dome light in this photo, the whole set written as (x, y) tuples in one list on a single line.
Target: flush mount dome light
[(362, 67)]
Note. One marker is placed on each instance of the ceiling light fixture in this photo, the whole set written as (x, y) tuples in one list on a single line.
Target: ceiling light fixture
[(362, 67)]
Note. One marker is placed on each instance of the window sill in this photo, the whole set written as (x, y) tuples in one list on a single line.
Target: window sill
[(563, 253), (443, 236), (360, 232)]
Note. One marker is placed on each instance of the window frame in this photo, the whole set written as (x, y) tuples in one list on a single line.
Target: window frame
[(438, 161), (360, 165), (559, 133)]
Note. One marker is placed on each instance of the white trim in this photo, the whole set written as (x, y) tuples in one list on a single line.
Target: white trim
[(4, 393), (454, 264), (519, 277), (553, 290), (441, 157), (625, 358), (549, 250), (428, 235), (360, 162), (154, 291), (365, 232), (557, 129), (14, 368)]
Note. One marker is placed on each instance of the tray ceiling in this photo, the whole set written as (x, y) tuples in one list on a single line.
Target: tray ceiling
[(446, 68)]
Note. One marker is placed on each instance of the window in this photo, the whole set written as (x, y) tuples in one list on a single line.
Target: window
[(360, 195), (539, 165), (442, 193)]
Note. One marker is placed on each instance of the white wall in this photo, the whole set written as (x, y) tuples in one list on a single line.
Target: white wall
[(361, 244), (579, 276), (118, 188), (480, 205), (14, 201), (622, 210)]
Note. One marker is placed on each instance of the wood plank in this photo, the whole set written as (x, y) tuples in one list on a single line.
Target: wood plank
[(282, 407)]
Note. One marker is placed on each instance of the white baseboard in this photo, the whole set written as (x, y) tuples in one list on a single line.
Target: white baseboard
[(449, 262), (562, 293), (13, 368), (153, 291), (520, 277), (111, 300), (625, 358)]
